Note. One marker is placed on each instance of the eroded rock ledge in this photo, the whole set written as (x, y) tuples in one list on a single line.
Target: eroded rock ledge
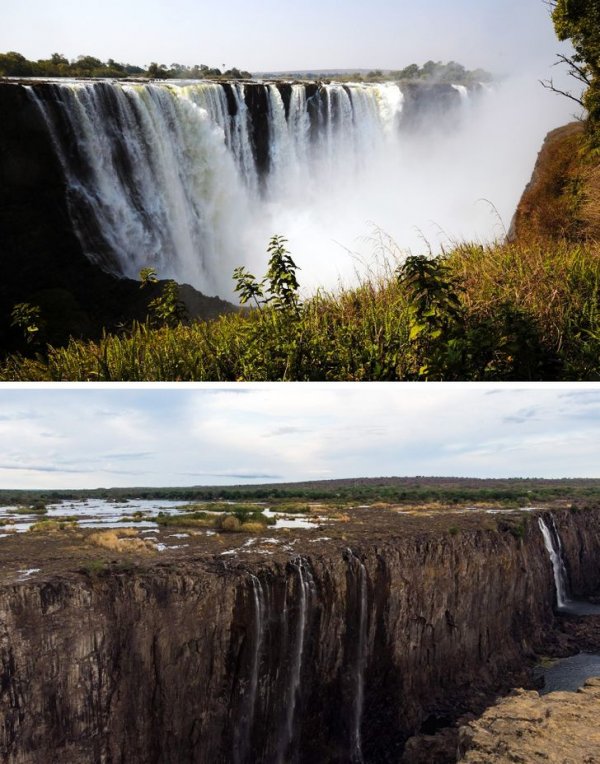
[(553, 729)]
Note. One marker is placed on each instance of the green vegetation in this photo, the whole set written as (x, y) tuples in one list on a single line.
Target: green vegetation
[(436, 71), (516, 526), (241, 520), (431, 72), (43, 526), (499, 312), (94, 567), (219, 506), (166, 309), (37, 508), (507, 493), (13, 64), (579, 22)]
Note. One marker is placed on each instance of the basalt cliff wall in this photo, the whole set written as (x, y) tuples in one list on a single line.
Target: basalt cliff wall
[(43, 262), (326, 653)]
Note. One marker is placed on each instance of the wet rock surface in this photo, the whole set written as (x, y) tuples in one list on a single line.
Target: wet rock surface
[(557, 728), (335, 643), (43, 262)]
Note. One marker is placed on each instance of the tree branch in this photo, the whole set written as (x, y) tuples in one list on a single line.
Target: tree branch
[(549, 85), (578, 72)]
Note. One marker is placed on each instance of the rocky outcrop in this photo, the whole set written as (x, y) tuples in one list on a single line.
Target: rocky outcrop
[(554, 729), (548, 208), (321, 653)]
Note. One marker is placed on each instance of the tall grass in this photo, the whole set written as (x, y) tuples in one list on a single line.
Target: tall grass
[(529, 312)]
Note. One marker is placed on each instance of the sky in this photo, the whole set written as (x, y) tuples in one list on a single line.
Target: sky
[(92, 437), (271, 35)]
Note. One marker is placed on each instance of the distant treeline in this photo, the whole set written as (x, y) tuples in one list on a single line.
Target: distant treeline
[(432, 71), (14, 64), (513, 493)]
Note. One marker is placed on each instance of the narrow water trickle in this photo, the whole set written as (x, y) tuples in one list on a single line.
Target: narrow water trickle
[(360, 576)]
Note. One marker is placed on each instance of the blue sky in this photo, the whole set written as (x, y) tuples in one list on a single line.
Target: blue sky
[(92, 437), (504, 36)]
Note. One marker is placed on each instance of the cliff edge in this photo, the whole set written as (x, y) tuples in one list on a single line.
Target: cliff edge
[(553, 729)]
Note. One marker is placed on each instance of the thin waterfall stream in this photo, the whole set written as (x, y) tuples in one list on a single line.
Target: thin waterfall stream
[(564, 602)]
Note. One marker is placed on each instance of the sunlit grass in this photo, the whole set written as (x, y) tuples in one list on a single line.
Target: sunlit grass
[(549, 290)]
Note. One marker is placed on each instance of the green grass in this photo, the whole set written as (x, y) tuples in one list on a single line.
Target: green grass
[(218, 506), (526, 312), (41, 510), (240, 520)]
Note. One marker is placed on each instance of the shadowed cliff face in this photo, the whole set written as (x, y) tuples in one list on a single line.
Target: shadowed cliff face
[(324, 653), (42, 258)]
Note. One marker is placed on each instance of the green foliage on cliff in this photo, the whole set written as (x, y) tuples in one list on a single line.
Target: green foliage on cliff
[(436, 71), (579, 22), (498, 312), (13, 64)]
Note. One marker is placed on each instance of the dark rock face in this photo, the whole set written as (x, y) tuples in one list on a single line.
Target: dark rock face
[(258, 107), (428, 105), (42, 259), (335, 655)]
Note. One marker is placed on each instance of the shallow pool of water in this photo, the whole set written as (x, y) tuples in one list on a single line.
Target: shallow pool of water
[(570, 673)]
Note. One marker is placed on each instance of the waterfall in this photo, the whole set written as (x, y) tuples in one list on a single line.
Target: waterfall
[(243, 731), (360, 663), (553, 546), (193, 178), (305, 592)]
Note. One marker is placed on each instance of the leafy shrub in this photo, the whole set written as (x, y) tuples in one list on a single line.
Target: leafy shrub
[(229, 523), (498, 312)]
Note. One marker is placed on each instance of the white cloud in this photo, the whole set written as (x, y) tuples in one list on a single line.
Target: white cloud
[(294, 432)]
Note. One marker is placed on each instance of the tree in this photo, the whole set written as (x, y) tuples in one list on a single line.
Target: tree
[(279, 288), (157, 71), (579, 22), (409, 73), (166, 309)]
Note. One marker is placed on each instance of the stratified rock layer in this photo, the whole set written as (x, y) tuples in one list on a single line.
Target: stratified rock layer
[(554, 729)]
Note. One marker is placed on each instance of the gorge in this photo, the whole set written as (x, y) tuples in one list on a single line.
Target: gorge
[(335, 643)]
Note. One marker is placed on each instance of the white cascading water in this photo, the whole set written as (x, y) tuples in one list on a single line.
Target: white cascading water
[(360, 575), (244, 729), (166, 175), (305, 592), (553, 547)]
